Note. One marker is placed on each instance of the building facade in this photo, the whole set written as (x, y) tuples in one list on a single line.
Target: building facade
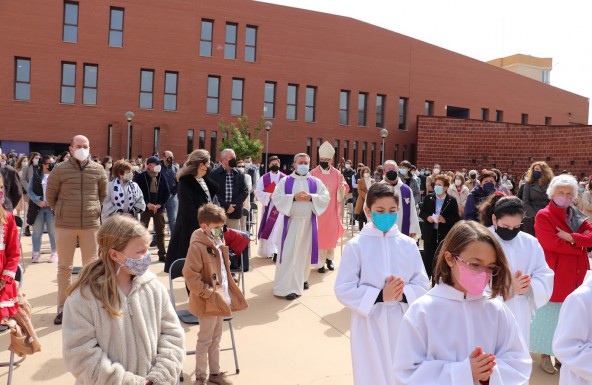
[(537, 68), (76, 67)]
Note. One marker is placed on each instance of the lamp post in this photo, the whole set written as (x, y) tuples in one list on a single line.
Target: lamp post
[(383, 135), (268, 125), (129, 115)]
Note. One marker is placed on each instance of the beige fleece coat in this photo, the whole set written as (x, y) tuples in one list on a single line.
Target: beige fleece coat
[(146, 342)]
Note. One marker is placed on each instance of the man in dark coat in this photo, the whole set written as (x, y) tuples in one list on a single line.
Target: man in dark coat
[(232, 189)]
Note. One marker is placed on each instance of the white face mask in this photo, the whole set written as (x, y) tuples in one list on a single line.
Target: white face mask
[(248, 165), (157, 168), (458, 182), (241, 169), (128, 176), (135, 168), (109, 165), (35, 162), (82, 154), (436, 171), (366, 175)]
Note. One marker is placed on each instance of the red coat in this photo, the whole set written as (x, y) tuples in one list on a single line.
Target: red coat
[(235, 241), (10, 254), (569, 263)]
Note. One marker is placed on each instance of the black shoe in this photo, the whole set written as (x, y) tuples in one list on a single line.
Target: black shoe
[(153, 243), (330, 265), (291, 296), (321, 269), (274, 258), (27, 232), (58, 319), (305, 285), (162, 259)]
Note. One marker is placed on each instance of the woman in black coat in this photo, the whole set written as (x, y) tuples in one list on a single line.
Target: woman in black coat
[(194, 190), (438, 210)]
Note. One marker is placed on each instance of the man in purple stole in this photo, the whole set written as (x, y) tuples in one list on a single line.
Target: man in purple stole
[(407, 220), (301, 198), (270, 229)]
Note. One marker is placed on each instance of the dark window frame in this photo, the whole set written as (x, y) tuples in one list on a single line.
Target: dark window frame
[(111, 29), (403, 113), (344, 110), (62, 85), (212, 97), (271, 103), (310, 107), (499, 115), (293, 105), (429, 107), (85, 87), (16, 78), (253, 46), (242, 97), (65, 24), (151, 92), (190, 140), (203, 41), (363, 109), (484, 113), (380, 109), (169, 94), (228, 43)]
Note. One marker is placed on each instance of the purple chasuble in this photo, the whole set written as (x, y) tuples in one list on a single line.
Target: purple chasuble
[(406, 203), (267, 223)]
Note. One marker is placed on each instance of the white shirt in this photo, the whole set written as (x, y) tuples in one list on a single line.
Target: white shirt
[(44, 186)]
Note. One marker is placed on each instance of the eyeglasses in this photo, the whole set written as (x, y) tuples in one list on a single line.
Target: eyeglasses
[(478, 268)]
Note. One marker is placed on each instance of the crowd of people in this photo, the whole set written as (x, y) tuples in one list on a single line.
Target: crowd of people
[(501, 262)]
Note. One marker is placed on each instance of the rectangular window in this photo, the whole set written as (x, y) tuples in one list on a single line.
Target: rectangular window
[(90, 84), (364, 150), (156, 148), (524, 118), (116, 27), (213, 100), (109, 139), (170, 90), (213, 145), (236, 107), (269, 100), (499, 115), (380, 102), (146, 88), (362, 102), (548, 120), (309, 110), (190, 134), (22, 78), (309, 147), (336, 156), (403, 113), (345, 149), (319, 143), (206, 38), (68, 94), (429, 108), (292, 102), (202, 139), (70, 31), (373, 158), (546, 76), (230, 44), (485, 114), (355, 163), (251, 44), (396, 153), (344, 107)]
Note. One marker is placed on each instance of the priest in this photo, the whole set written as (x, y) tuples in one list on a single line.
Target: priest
[(330, 228), (301, 198), (270, 229)]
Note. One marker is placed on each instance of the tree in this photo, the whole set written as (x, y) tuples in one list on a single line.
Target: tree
[(240, 139)]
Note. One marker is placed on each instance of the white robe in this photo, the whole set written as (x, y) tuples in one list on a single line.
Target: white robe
[(294, 267), (414, 227), (367, 261), (524, 253), (572, 343), (440, 331), (269, 247)]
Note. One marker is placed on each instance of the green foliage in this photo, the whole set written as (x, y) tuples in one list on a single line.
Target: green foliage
[(240, 138)]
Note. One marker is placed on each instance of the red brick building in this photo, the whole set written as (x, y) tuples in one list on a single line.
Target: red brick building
[(76, 67)]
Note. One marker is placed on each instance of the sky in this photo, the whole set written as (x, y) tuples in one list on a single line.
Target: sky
[(486, 30)]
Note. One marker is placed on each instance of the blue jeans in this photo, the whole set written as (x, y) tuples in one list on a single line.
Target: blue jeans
[(171, 209), (46, 219)]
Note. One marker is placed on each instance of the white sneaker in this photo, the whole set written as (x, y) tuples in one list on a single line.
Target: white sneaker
[(36, 257), (54, 257)]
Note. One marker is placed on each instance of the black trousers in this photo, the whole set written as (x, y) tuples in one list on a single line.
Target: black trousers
[(159, 224)]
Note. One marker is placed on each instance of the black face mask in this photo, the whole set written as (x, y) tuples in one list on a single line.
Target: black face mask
[(391, 175), (489, 187), (324, 165), (232, 163), (473, 176), (50, 167), (275, 168), (507, 234)]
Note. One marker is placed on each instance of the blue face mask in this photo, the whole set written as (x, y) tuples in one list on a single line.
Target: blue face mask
[(302, 169), (403, 171), (438, 190), (384, 221)]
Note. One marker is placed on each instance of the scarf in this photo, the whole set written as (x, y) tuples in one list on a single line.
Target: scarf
[(119, 193)]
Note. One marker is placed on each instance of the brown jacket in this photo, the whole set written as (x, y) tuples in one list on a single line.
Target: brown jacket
[(362, 190), (202, 266), (76, 194)]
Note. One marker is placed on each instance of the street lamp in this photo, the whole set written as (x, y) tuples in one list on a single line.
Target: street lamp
[(268, 125), (129, 115), (383, 135)]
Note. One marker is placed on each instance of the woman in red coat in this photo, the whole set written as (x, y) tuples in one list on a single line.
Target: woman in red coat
[(10, 255), (564, 233)]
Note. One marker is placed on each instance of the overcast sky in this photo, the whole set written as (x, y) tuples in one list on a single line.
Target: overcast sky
[(486, 30)]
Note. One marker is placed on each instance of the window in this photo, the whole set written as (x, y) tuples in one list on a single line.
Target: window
[(499, 115), (309, 147), (336, 156), (269, 102), (206, 38), (170, 91), (373, 158), (89, 91), (251, 44), (364, 149), (109, 139), (213, 100), (548, 120), (230, 46), (546, 76), (429, 108), (236, 107), (22, 78), (319, 143), (202, 139), (345, 149), (292, 102), (404, 152), (355, 160), (524, 118), (396, 153), (380, 101), (146, 88), (309, 110), (403, 113), (213, 147), (156, 148), (70, 32), (68, 94), (190, 134), (344, 107), (362, 101), (116, 28), (485, 114)]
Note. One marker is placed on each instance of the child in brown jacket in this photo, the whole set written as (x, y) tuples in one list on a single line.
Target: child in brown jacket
[(213, 293)]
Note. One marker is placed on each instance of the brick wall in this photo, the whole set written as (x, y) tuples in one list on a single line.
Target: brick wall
[(477, 144)]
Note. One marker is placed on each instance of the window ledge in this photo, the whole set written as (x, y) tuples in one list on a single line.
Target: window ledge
[(21, 100)]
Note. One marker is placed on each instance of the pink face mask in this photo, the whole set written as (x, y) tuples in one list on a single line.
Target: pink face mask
[(561, 201), (474, 283)]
